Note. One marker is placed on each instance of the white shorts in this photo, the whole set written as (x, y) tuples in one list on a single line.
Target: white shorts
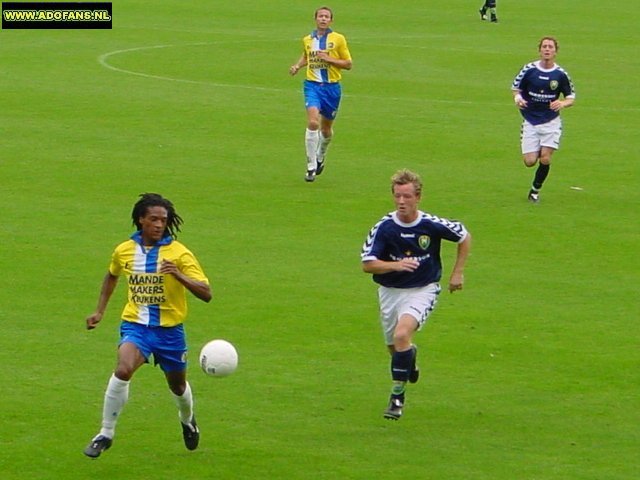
[(395, 302), (533, 137)]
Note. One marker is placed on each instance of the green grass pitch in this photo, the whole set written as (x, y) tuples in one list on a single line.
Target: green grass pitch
[(530, 373)]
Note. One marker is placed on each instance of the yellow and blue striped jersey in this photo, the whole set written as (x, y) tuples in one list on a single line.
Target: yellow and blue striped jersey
[(154, 299), (335, 45)]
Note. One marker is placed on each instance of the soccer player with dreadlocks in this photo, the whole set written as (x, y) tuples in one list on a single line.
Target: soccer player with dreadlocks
[(159, 271)]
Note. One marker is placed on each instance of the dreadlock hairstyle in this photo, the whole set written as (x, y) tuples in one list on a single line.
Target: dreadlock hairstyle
[(148, 200)]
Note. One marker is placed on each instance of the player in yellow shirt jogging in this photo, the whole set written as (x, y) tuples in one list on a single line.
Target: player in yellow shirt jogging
[(325, 54), (159, 271)]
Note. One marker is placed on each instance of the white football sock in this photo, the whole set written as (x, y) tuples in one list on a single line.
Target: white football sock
[(311, 140), (323, 145), (185, 405), (115, 398)]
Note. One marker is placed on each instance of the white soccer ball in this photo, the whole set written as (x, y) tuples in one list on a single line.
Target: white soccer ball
[(218, 358)]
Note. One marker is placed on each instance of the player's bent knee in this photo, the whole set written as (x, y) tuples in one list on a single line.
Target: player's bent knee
[(123, 373), (313, 124), (401, 339), (178, 389)]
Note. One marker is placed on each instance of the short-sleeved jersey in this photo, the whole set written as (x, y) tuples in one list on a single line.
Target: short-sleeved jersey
[(154, 299), (392, 240), (539, 87), (335, 45)]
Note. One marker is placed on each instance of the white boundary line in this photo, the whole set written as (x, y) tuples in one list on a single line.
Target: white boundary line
[(103, 60)]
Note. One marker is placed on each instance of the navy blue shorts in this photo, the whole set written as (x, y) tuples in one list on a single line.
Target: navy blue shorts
[(324, 96), (167, 344)]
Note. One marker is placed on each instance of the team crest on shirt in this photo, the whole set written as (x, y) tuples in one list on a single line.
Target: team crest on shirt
[(424, 241), (330, 45), (553, 84)]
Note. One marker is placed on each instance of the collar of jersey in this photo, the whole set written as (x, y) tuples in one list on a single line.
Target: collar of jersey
[(394, 216), (545, 70), (314, 34), (137, 237)]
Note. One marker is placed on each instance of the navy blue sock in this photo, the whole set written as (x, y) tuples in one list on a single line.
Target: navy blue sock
[(541, 175), (401, 363)]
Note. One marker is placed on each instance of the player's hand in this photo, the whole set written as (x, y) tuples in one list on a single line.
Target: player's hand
[(408, 264), (93, 320), (521, 103), (556, 105), (455, 282), (324, 55), (168, 267), (293, 69)]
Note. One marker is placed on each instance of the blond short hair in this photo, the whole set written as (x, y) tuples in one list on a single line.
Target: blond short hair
[(404, 177)]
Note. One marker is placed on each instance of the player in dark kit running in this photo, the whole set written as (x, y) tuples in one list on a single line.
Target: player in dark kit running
[(537, 92), (402, 252)]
